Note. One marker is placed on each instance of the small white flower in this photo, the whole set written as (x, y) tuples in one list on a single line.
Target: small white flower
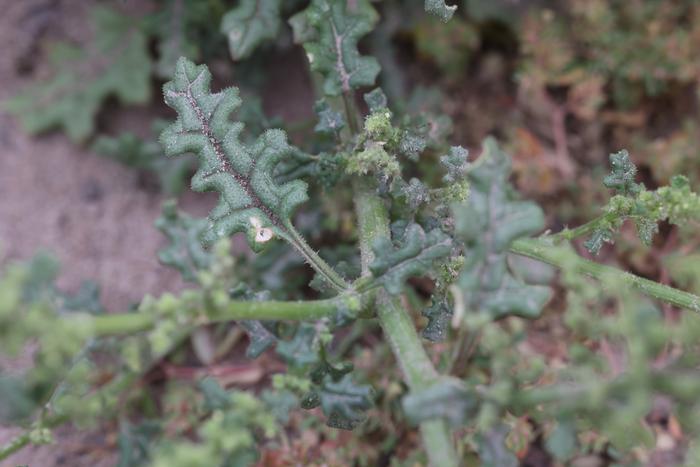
[(262, 234)]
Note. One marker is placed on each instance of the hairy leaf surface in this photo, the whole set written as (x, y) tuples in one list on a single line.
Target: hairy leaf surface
[(243, 174), (330, 31), (414, 256)]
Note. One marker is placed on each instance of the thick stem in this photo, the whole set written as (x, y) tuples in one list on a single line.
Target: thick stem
[(565, 258), (398, 327), (315, 261)]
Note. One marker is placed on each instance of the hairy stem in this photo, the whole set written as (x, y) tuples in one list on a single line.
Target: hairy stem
[(315, 261), (398, 327), (562, 257)]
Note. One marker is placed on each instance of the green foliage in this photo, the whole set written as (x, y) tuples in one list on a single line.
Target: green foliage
[(260, 337), (492, 449), (147, 156), (646, 208), (455, 162), (343, 401), (250, 201), (115, 63), (330, 31), (448, 398), (440, 9), (376, 100), (30, 310), (329, 120), (622, 177), (488, 225), (439, 316), (135, 442), (184, 251), (379, 145), (250, 24), (181, 29), (226, 437), (415, 254)]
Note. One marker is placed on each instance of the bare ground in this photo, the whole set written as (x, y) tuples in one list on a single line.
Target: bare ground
[(88, 211)]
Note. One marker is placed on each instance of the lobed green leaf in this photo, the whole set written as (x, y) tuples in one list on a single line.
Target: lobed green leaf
[(250, 24), (114, 63), (488, 224), (414, 256), (250, 200), (330, 31)]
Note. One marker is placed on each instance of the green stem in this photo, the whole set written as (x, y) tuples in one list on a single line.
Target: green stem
[(581, 230), (25, 438), (315, 261), (399, 328), (128, 323), (565, 258), (351, 113)]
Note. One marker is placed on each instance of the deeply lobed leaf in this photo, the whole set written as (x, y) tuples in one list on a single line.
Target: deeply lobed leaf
[(250, 24), (488, 224), (414, 256), (330, 31), (243, 175)]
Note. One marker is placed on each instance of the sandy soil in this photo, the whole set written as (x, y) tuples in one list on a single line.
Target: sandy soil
[(88, 211)]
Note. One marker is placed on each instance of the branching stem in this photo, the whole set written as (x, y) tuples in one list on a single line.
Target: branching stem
[(562, 257), (398, 326), (583, 229)]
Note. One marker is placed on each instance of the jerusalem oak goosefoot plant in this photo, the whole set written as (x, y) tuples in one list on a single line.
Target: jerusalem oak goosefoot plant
[(464, 234)]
